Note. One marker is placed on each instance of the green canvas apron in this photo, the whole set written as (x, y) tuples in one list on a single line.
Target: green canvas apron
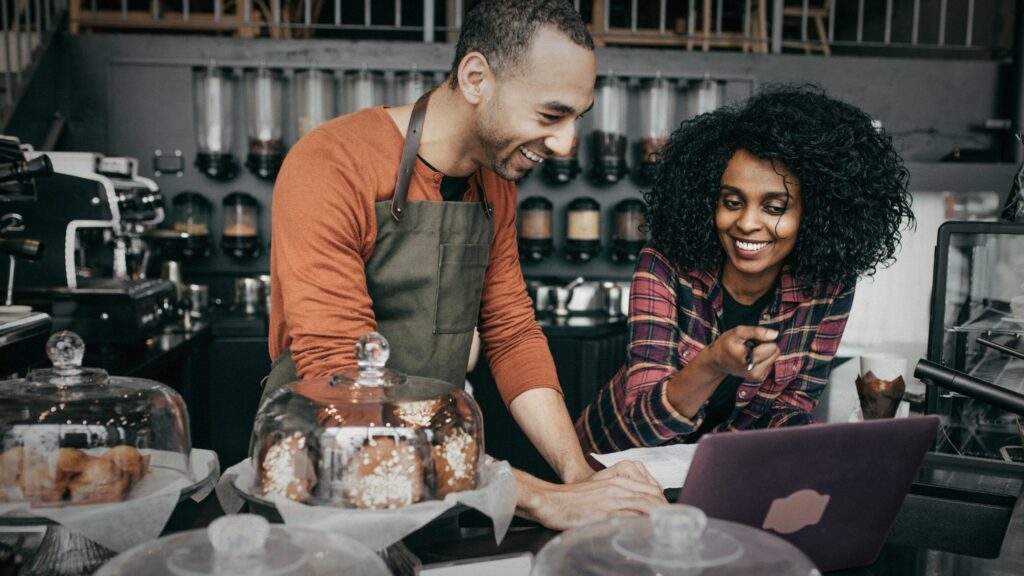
[(425, 276)]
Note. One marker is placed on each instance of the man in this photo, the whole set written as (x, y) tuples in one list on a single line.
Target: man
[(402, 220)]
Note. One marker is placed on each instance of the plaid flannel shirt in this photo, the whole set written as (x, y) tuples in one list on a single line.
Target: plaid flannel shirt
[(673, 315)]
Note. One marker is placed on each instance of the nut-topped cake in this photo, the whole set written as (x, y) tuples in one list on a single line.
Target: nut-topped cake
[(370, 438)]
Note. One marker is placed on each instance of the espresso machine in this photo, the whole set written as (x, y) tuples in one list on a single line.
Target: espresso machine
[(91, 214), (23, 331)]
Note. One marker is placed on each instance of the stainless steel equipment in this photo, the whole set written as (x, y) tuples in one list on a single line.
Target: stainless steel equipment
[(249, 295), (91, 214), (979, 272)]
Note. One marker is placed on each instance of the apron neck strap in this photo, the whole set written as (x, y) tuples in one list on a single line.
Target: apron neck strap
[(413, 134), (488, 210)]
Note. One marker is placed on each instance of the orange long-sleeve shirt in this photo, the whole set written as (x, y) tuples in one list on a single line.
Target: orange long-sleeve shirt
[(324, 228)]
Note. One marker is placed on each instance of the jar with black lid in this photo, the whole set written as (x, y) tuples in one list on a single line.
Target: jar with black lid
[(213, 99), (264, 93), (608, 140), (657, 118), (241, 233), (583, 230), (630, 236), (189, 236), (562, 169), (535, 241)]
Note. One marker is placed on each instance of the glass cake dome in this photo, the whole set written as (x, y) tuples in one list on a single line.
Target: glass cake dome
[(72, 435), (247, 544), (676, 540), (369, 438)]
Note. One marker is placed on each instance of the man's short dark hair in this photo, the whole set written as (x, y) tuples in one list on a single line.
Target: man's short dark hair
[(503, 31)]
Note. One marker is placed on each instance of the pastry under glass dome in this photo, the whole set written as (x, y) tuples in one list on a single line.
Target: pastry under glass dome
[(247, 544), (369, 438), (675, 540), (72, 435)]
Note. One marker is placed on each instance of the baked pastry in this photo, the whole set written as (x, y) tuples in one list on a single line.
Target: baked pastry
[(40, 484), (10, 466), (384, 473), (128, 461), (70, 461), (414, 415), (287, 469), (100, 481), (455, 460)]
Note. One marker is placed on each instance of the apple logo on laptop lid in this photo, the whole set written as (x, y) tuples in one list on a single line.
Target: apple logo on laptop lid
[(795, 512)]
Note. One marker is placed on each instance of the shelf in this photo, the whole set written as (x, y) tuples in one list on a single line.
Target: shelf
[(992, 320)]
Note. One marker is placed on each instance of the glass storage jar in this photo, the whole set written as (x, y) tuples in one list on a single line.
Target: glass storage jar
[(583, 230), (192, 222), (704, 96), (363, 89), (369, 438), (241, 233), (73, 435), (409, 86), (535, 229), (608, 140), (630, 237), (657, 119), (562, 169), (314, 99), (264, 91), (212, 94)]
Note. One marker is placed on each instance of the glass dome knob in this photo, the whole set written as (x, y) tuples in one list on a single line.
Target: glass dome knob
[(240, 535), (372, 351), (65, 350), (678, 526)]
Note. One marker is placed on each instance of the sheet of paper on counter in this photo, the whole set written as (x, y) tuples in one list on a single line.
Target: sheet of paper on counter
[(668, 464)]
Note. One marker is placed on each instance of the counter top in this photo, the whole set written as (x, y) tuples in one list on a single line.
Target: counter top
[(577, 325)]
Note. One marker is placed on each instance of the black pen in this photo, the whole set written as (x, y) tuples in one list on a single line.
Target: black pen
[(750, 344)]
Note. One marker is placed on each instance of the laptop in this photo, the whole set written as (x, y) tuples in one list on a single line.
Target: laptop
[(833, 490)]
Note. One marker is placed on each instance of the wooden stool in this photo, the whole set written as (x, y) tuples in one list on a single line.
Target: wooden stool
[(817, 14)]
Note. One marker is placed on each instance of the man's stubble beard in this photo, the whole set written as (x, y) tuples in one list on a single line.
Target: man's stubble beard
[(493, 140)]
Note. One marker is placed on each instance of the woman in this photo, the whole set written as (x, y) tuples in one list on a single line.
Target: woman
[(762, 217)]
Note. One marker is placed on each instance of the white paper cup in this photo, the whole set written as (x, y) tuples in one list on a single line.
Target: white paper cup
[(884, 365)]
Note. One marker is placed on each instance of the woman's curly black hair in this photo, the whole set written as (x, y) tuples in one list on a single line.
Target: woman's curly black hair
[(853, 184)]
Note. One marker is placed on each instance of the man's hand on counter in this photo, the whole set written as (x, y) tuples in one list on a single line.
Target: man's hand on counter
[(625, 489)]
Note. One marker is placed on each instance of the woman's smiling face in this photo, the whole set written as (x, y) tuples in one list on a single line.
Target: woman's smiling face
[(757, 219)]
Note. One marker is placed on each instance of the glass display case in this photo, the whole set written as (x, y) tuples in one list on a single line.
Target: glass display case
[(247, 544), (73, 436), (676, 540), (369, 438), (977, 325)]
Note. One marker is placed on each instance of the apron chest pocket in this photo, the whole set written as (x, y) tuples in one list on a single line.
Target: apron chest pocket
[(460, 282)]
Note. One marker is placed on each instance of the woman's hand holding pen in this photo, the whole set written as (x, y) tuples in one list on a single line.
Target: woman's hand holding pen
[(746, 351)]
